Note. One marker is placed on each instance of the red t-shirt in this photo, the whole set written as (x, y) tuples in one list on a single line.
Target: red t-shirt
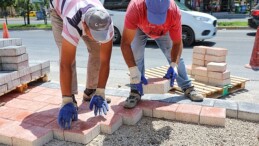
[(136, 17)]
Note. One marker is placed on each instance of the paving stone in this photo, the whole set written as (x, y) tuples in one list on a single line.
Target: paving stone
[(36, 75), (15, 59), (188, 113), (45, 64), (198, 56), (82, 132), (15, 66), (205, 102), (219, 59), (3, 89), (231, 107), (131, 116), (12, 128), (218, 82), (33, 136), (216, 51), (12, 50), (200, 71), (25, 79), (213, 116), (203, 79), (24, 71), (198, 62), (200, 49), (157, 86), (166, 112), (58, 133), (248, 111), (34, 67), (11, 85), (111, 124), (39, 119), (45, 71), (218, 67), (5, 77), (26, 104), (219, 75), (148, 107)]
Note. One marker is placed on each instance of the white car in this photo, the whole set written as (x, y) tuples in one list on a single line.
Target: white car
[(196, 26)]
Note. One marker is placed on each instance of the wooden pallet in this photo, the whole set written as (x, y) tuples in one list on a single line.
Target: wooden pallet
[(237, 83)]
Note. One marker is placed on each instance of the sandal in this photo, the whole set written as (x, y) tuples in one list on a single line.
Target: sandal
[(132, 100)]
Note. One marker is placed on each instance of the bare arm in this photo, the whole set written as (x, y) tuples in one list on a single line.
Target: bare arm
[(176, 51), (105, 56), (68, 52), (127, 38)]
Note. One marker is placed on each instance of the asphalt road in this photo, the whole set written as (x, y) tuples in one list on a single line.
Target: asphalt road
[(41, 46)]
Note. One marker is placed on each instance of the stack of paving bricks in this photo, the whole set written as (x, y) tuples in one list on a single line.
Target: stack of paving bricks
[(209, 66), (15, 69)]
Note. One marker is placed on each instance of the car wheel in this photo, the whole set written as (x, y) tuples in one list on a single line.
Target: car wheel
[(117, 36), (187, 36)]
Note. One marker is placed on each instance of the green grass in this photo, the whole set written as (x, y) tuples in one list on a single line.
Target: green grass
[(48, 26), (234, 23), (31, 26)]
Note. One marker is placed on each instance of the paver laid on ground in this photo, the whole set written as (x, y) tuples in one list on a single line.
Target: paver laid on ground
[(30, 118)]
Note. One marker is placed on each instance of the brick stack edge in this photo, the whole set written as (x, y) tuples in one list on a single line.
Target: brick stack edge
[(15, 68), (209, 66)]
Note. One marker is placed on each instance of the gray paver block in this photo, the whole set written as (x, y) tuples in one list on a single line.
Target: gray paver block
[(3, 89), (35, 67), (248, 111), (15, 59), (13, 84), (15, 66), (45, 71), (36, 75), (116, 92), (25, 79), (12, 50), (24, 71), (206, 102), (45, 64), (231, 107), (4, 77)]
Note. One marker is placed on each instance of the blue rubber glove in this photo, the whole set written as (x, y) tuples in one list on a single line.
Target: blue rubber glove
[(171, 74), (67, 113), (138, 86), (99, 104)]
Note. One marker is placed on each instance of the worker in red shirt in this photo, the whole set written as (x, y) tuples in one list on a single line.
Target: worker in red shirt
[(161, 21)]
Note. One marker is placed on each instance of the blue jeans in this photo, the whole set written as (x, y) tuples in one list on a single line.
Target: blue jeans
[(165, 44)]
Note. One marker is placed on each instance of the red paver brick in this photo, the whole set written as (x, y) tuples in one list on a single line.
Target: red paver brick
[(4, 122), (213, 116), (188, 113), (38, 119), (13, 128), (58, 133), (6, 112), (50, 110), (50, 91), (111, 124), (82, 132), (28, 96), (36, 89), (148, 107), (54, 100), (25, 104), (20, 114), (32, 136), (166, 112), (131, 116)]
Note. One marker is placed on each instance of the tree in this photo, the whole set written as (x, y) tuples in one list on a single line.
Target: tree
[(24, 7), (4, 4)]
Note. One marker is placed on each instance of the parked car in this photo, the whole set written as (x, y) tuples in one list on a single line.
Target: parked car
[(253, 21), (196, 26)]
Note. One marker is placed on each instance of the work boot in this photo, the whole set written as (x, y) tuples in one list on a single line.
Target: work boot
[(192, 94), (132, 100), (88, 94)]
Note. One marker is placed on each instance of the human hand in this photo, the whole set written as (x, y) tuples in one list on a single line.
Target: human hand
[(138, 86), (171, 73), (99, 104), (67, 113)]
